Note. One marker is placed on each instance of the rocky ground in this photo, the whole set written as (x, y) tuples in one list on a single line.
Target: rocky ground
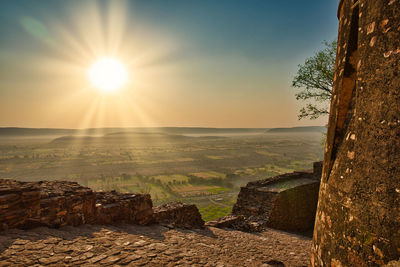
[(89, 245)]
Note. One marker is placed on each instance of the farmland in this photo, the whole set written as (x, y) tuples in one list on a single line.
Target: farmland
[(204, 169)]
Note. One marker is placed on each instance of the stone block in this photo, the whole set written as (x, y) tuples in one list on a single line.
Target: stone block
[(113, 207), (177, 214), (287, 202), (229, 221)]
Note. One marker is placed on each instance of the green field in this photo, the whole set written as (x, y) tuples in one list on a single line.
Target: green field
[(205, 170)]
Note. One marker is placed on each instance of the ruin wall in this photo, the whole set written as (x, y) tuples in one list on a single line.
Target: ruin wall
[(358, 214), (60, 203)]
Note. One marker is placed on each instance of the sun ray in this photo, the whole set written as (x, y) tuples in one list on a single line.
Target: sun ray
[(84, 36), (116, 26)]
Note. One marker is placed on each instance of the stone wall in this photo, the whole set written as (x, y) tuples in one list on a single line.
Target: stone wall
[(60, 203), (113, 207), (286, 202), (19, 203), (294, 208), (358, 215), (65, 203)]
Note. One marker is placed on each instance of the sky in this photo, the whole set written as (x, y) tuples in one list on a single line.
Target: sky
[(202, 63)]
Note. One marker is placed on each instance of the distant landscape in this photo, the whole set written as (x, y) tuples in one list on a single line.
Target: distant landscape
[(205, 166)]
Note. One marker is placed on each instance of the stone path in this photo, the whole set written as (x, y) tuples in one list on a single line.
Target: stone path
[(92, 245)]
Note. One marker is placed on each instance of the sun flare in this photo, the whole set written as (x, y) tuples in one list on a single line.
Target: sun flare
[(108, 74)]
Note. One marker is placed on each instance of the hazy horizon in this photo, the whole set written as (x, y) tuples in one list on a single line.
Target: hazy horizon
[(188, 63), (139, 127)]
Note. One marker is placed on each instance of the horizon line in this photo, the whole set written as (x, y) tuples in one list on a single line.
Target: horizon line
[(127, 127)]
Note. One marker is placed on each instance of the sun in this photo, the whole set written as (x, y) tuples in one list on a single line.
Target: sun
[(108, 74)]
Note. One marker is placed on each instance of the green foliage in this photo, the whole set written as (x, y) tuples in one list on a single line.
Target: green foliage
[(144, 188), (212, 212), (195, 180), (217, 190), (314, 78), (211, 184)]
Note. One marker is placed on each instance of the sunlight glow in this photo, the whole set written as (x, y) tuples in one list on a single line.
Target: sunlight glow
[(108, 70), (108, 74)]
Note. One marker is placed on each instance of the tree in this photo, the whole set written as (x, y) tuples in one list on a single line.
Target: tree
[(315, 79)]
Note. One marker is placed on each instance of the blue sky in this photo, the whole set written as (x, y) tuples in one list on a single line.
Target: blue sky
[(204, 63)]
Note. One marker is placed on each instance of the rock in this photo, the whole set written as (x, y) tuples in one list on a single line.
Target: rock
[(177, 214), (97, 258), (129, 259), (274, 263), (140, 243), (113, 207), (392, 264), (286, 202), (229, 221), (51, 260), (111, 260)]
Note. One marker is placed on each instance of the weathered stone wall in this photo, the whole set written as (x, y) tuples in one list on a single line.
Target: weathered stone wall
[(286, 202), (254, 202), (60, 203), (19, 203), (65, 203), (358, 215), (294, 209), (113, 207)]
